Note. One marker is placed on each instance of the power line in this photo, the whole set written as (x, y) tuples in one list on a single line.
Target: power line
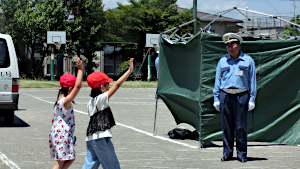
[(236, 6), (293, 5), (273, 7)]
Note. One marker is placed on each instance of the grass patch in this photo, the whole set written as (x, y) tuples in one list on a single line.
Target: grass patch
[(25, 83)]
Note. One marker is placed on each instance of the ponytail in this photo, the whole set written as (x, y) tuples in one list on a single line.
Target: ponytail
[(63, 90)]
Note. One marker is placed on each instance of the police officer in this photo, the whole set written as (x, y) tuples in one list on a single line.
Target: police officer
[(234, 96)]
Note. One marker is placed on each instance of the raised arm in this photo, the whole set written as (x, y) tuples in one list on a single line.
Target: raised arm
[(122, 79), (77, 86)]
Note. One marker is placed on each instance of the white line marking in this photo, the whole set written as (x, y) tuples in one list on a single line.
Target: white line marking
[(130, 127), (154, 167), (125, 103), (112, 102), (158, 137), (39, 98), (6, 161), (115, 98)]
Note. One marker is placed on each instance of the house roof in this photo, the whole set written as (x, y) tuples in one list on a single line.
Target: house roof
[(212, 17)]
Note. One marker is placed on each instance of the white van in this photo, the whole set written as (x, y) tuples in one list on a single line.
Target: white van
[(9, 79)]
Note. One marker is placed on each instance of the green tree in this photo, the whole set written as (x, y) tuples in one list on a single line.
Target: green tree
[(33, 21), (123, 68), (85, 29), (130, 23), (291, 29), (8, 22), (85, 23), (8, 25), (28, 21)]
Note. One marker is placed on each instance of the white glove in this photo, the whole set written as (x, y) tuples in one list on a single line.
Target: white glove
[(217, 106), (251, 106)]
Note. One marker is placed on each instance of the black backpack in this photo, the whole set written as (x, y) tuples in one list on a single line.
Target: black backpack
[(183, 133)]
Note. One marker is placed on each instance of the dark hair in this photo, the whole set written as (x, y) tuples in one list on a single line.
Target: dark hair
[(237, 42), (95, 92), (63, 90)]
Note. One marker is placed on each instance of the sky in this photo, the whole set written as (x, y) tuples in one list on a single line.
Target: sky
[(282, 8)]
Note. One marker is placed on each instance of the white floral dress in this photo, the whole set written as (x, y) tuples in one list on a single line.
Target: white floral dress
[(60, 138)]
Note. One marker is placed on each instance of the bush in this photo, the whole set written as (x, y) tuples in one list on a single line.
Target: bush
[(123, 68)]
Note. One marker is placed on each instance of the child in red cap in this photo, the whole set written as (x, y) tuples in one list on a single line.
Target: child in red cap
[(63, 122), (100, 149)]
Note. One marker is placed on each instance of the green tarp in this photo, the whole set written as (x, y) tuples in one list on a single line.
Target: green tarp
[(187, 76)]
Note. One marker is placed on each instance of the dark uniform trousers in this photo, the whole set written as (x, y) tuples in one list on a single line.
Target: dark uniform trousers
[(234, 111)]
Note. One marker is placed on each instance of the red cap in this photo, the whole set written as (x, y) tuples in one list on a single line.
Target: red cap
[(96, 79), (67, 80)]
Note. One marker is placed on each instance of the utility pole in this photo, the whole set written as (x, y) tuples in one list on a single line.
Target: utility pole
[(195, 15), (294, 4)]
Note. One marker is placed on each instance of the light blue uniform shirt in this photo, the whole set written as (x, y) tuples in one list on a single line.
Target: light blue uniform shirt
[(239, 73), (156, 65)]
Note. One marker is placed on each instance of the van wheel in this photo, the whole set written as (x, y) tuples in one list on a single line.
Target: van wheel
[(9, 117)]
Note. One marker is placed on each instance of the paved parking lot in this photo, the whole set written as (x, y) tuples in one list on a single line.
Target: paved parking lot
[(25, 145)]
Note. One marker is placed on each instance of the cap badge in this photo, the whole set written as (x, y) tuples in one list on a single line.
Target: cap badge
[(227, 38)]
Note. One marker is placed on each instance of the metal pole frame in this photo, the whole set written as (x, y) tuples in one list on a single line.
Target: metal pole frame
[(276, 17), (174, 38), (180, 26), (141, 65), (223, 12), (212, 22), (154, 126)]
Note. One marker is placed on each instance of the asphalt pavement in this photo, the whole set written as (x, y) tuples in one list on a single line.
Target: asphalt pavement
[(25, 144)]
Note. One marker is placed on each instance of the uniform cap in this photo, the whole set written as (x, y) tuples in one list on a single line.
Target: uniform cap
[(96, 79), (231, 37), (67, 80)]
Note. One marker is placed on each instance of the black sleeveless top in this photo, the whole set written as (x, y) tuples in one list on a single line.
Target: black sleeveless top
[(100, 121)]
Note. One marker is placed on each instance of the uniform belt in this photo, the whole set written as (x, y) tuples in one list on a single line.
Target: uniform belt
[(234, 91)]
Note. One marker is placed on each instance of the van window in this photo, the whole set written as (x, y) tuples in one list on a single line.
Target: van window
[(4, 55)]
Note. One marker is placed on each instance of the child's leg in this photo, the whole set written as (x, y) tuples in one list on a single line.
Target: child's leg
[(58, 164), (91, 160), (67, 164), (62, 164), (106, 153)]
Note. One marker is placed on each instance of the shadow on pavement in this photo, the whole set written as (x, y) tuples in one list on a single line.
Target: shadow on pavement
[(264, 145), (251, 159), (207, 144), (17, 122), (256, 159)]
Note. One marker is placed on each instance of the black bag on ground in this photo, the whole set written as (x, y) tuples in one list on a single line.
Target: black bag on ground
[(194, 135), (183, 133)]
